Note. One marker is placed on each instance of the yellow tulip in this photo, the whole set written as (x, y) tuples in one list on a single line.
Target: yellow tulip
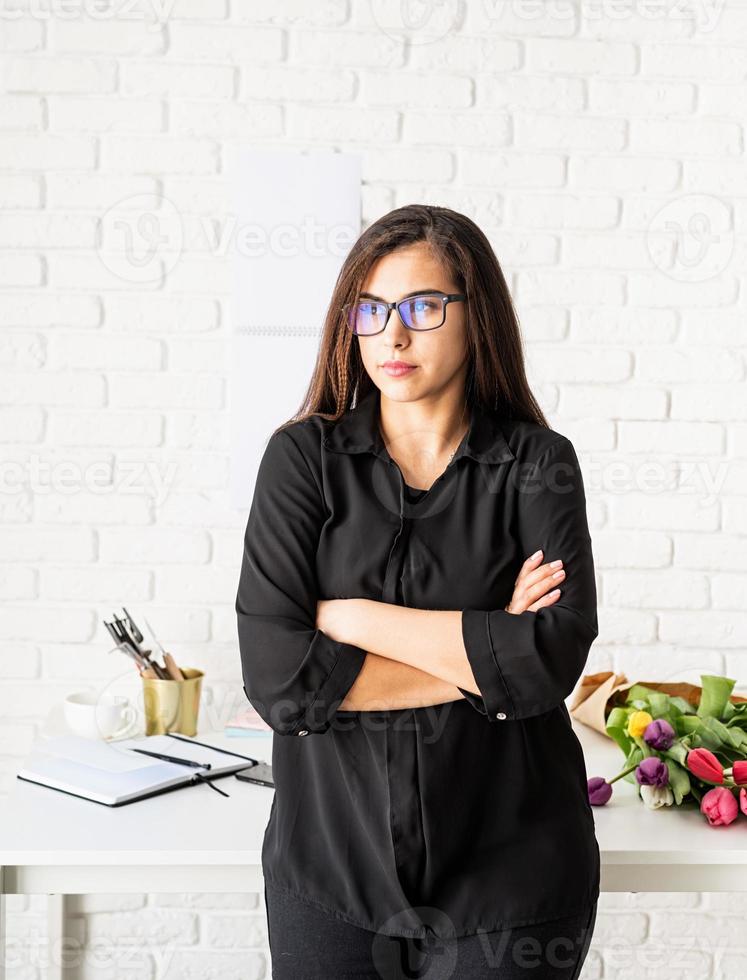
[(638, 722)]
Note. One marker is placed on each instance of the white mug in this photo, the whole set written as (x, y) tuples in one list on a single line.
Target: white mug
[(99, 715)]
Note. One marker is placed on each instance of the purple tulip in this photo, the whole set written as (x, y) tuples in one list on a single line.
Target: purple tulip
[(659, 734), (652, 771), (599, 790)]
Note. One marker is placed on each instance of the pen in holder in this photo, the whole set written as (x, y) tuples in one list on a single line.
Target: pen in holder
[(170, 705)]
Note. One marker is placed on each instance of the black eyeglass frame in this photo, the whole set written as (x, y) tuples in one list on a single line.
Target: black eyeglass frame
[(445, 298)]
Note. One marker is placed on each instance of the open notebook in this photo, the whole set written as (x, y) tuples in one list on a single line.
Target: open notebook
[(110, 773)]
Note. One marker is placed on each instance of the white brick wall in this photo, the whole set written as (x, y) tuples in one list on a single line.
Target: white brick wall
[(585, 138)]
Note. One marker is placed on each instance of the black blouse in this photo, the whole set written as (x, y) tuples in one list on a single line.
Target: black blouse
[(448, 819)]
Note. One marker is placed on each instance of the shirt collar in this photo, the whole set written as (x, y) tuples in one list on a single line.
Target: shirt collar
[(357, 431)]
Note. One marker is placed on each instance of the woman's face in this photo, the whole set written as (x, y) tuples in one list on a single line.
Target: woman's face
[(439, 356)]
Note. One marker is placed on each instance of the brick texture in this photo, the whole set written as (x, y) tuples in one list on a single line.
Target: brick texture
[(601, 146)]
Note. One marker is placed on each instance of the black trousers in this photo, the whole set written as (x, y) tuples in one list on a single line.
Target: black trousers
[(307, 943)]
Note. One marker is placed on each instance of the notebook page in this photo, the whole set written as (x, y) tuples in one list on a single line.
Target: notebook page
[(95, 753), (102, 778)]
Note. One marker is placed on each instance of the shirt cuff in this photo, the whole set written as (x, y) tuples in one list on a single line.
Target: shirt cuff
[(495, 701), (320, 713), (475, 700), (298, 709)]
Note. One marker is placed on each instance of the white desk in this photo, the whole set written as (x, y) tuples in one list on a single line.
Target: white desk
[(56, 844), (667, 850), (191, 839)]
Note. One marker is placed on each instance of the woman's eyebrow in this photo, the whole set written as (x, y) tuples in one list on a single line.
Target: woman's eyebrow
[(415, 292)]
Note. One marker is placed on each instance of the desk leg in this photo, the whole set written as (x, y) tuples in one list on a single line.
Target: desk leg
[(2, 925), (55, 937)]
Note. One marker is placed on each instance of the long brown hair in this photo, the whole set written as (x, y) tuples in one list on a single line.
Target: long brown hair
[(496, 378)]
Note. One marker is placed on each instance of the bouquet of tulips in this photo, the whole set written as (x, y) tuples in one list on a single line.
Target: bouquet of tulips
[(681, 753)]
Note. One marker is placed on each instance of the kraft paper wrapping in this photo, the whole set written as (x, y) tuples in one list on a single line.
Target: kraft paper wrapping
[(598, 694)]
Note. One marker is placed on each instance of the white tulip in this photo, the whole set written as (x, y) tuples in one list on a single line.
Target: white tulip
[(656, 796)]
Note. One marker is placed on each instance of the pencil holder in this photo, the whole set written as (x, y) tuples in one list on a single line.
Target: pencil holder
[(172, 706)]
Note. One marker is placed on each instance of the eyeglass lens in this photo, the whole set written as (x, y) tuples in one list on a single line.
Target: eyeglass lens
[(422, 312)]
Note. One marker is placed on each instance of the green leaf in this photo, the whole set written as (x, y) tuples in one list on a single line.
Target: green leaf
[(741, 737), (639, 692), (659, 704), (727, 736), (736, 720), (678, 752), (715, 696), (634, 757), (704, 738), (682, 706), (679, 780), (617, 722), (690, 724)]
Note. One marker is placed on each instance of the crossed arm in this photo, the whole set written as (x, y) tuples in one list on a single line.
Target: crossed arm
[(386, 684), (416, 657), (510, 665)]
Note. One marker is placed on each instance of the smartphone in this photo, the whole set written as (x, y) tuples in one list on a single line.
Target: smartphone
[(261, 773)]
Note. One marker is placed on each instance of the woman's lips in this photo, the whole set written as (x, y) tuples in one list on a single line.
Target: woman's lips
[(397, 370)]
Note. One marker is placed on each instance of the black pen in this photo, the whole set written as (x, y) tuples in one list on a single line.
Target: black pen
[(171, 758), (206, 745)]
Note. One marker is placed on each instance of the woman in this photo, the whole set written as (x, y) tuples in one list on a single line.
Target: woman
[(417, 598)]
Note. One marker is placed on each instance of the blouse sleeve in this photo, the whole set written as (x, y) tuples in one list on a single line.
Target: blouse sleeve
[(294, 674), (527, 663)]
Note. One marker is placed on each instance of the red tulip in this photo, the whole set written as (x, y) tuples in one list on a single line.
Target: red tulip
[(739, 772), (705, 765), (719, 806), (743, 801)]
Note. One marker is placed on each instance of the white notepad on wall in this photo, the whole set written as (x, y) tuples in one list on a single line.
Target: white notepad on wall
[(295, 215)]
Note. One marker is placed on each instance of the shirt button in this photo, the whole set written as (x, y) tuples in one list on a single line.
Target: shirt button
[(501, 715), (304, 732)]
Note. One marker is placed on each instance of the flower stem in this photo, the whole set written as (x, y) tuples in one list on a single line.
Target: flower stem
[(623, 773)]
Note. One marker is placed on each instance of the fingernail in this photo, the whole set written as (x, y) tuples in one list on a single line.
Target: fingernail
[(555, 592), (536, 554), (558, 574), (556, 563)]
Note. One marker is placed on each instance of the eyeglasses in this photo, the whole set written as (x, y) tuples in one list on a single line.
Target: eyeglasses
[(426, 311)]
